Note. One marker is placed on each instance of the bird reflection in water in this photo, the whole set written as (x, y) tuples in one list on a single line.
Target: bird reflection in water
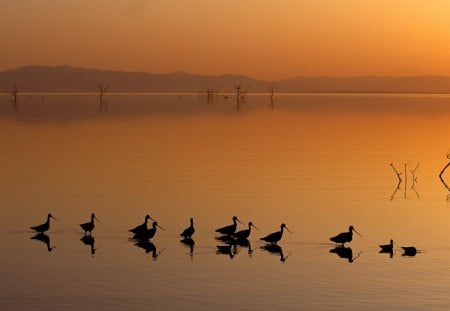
[(90, 241), (229, 249), (345, 253), (149, 247), (44, 239), (189, 243), (245, 243), (275, 250), (409, 251), (388, 248)]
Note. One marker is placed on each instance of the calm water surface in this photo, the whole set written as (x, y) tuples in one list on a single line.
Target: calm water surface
[(318, 163)]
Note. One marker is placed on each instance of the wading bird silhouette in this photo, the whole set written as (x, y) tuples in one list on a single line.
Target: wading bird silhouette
[(345, 237), (45, 226), (89, 226), (276, 236)]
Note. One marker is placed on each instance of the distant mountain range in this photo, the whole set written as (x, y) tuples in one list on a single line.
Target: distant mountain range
[(71, 79)]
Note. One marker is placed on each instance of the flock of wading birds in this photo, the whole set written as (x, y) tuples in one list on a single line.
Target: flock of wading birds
[(142, 233)]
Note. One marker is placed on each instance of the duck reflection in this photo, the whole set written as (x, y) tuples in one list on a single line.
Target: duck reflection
[(345, 253), (275, 249), (44, 239), (189, 243), (229, 249), (149, 247), (90, 241)]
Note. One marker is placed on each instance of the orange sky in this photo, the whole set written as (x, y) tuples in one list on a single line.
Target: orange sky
[(267, 39)]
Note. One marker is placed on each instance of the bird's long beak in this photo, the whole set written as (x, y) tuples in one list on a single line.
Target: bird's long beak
[(54, 218), (96, 218), (239, 221), (255, 227), (357, 232), (288, 229), (160, 227)]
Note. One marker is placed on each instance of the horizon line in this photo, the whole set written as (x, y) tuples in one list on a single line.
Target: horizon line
[(228, 73)]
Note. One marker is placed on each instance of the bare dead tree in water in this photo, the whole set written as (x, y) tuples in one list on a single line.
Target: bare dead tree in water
[(442, 173), (271, 97), (102, 90), (14, 92), (414, 178), (209, 94), (399, 181), (240, 95), (405, 180), (413, 173)]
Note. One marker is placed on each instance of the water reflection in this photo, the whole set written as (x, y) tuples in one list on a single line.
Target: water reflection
[(275, 250), (44, 239), (404, 181), (228, 249), (189, 243), (409, 251), (148, 247), (245, 243), (388, 248), (442, 178), (90, 241), (345, 253)]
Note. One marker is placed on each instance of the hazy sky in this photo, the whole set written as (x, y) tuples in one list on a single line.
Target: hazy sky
[(268, 39)]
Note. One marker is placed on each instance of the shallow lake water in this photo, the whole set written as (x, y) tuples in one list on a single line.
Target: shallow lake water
[(316, 162)]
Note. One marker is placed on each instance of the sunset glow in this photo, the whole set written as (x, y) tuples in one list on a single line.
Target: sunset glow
[(260, 38)]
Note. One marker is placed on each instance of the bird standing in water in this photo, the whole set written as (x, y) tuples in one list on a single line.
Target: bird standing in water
[(387, 248), (409, 251), (276, 236), (89, 226), (142, 227), (189, 231), (244, 234), (45, 226), (345, 237), (148, 234), (229, 230)]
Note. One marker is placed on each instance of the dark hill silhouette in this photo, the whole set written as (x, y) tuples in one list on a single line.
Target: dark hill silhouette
[(71, 79)]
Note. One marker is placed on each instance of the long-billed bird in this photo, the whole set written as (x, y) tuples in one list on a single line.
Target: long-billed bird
[(345, 237), (189, 231), (276, 236), (142, 227), (89, 226), (45, 226), (149, 233), (244, 234), (229, 230)]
